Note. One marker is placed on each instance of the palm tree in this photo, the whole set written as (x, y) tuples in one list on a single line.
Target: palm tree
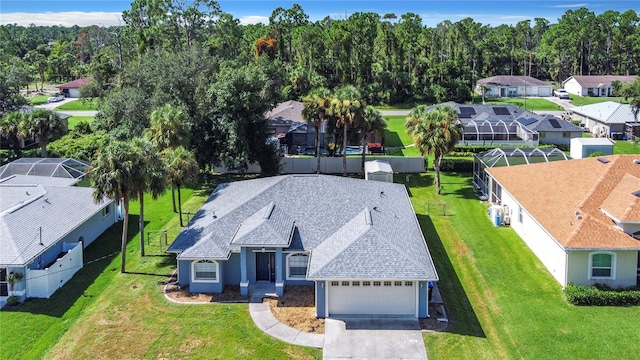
[(372, 122), (346, 108), (182, 169), (112, 175), (42, 125), (10, 128), (149, 176), (168, 130), (434, 131), (314, 111)]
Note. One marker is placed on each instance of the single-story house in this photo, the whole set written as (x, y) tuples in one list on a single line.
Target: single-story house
[(513, 86), (580, 217), (584, 147), (357, 242), (605, 119), (72, 88), (594, 85), (552, 130), (45, 222), (287, 125)]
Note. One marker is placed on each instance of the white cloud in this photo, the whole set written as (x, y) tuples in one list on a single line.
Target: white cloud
[(253, 19), (68, 18), (568, 6)]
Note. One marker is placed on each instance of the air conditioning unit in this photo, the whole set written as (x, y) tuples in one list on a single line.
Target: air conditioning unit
[(507, 220)]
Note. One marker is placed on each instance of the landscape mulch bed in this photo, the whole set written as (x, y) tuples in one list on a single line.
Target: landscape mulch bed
[(231, 293)]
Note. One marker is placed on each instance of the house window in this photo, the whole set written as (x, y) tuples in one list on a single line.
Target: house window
[(366, 283), (355, 283), (106, 210), (408, 283), (4, 286), (376, 283), (387, 283), (345, 283), (520, 214), (602, 265), (335, 283), (297, 265), (397, 283), (566, 134), (205, 270)]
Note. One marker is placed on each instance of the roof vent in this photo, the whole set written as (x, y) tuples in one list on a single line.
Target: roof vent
[(603, 160), (268, 211), (367, 217), (577, 214), (636, 161)]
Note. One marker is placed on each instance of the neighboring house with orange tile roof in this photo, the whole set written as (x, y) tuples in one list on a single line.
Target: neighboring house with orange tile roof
[(580, 217), (594, 85)]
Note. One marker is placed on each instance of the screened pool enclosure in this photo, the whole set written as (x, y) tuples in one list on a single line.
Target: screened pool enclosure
[(50, 167), (508, 157)]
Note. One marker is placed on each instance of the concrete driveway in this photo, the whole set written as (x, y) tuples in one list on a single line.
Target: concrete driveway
[(379, 338)]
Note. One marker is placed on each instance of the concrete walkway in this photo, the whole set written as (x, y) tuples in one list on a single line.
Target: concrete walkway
[(265, 321)]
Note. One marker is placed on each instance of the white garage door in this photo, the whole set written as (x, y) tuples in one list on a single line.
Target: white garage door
[(544, 91), (372, 297)]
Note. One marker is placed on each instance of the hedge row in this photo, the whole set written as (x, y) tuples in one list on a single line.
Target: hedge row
[(459, 165), (601, 295)]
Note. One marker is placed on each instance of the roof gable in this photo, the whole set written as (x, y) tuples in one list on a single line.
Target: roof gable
[(512, 80), (571, 188), (75, 84), (268, 226)]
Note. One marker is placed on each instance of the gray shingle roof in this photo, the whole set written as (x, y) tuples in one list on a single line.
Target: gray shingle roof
[(330, 222), (542, 123), (268, 226), (607, 112), (25, 209), (288, 112), (512, 80)]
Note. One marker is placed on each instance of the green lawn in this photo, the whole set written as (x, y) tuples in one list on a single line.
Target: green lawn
[(102, 313), (625, 147), (38, 99), (396, 136), (502, 303), (579, 100), (75, 120), (533, 104), (80, 104)]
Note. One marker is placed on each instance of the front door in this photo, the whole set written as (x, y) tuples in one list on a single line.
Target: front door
[(265, 266)]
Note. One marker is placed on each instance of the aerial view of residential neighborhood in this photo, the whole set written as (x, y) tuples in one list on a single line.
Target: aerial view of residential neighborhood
[(252, 179)]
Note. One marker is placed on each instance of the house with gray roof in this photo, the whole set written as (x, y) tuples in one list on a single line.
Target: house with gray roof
[(288, 126), (45, 223), (606, 119), (594, 85), (513, 86), (357, 242), (551, 129)]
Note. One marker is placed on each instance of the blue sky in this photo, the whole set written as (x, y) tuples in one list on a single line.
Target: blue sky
[(107, 12)]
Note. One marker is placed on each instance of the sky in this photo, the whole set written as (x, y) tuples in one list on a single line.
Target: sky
[(495, 12)]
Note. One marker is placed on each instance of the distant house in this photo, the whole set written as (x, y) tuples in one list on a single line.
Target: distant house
[(513, 86), (45, 222), (293, 132), (552, 130), (581, 218), (72, 89), (594, 85), (606, 119), (358, 242)]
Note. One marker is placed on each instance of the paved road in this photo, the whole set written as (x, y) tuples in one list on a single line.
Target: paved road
[(380, 338), (395, 112)]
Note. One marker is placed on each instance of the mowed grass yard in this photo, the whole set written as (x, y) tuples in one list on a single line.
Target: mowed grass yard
[(501, 301), (103, 314), (79, 105), (396, 136), (75, 120), (588, 100), (533, 104)]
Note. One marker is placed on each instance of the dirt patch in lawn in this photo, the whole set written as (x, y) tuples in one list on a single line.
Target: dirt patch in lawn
[(297, 308), (431, 323)]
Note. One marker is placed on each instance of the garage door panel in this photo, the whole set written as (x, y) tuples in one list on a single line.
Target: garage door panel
[(397, 299)]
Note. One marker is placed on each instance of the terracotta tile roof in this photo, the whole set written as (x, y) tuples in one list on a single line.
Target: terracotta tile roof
[(75, 84), (553, 192)]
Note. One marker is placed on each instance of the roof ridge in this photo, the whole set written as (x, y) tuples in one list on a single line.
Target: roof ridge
[(613, 160)]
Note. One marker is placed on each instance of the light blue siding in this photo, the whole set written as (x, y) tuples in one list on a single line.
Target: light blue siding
[(231, 269), (92, 228), (320, 299), (184, 272), (423, 291)]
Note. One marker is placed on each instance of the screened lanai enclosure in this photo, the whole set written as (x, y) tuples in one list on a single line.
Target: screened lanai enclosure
[(50, 167), (498, 132), (509, 157)]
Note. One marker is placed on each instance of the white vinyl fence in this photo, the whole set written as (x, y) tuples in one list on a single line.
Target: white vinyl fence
[(43, 283), (333, 165)]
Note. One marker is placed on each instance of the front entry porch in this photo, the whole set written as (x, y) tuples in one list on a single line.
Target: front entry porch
[(261, 271)]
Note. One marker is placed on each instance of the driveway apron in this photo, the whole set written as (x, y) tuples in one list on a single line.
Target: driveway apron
[(378, 338)]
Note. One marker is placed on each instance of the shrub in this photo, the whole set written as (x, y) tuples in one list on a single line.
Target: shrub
[(596, 154), (601, 295), (460, 165)]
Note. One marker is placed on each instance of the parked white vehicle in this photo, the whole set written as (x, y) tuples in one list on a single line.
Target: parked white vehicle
[(55, 98), (561, 93)]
